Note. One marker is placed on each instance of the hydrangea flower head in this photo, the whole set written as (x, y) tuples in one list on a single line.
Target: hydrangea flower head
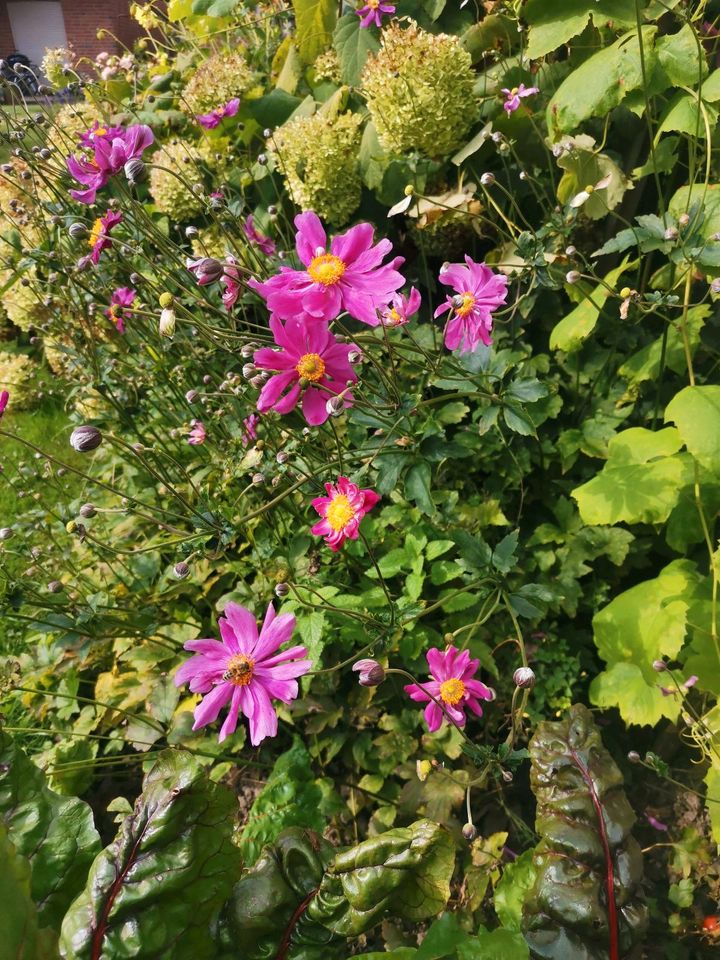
[(342, 510), (310, 363), (400, 309), (245, 671), (216, 116), (513, 97), (453, 685), (372, 12), (479, 292), (99, 237), (111, 149), (120, 308), (349, 276)]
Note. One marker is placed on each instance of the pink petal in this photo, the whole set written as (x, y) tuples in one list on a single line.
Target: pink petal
[(310, 236), (230, 723), (274, 635), (210, 706), (263, 722)]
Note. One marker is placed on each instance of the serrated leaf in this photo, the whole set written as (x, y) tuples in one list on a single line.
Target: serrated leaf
[(503, 556), (417, 487)]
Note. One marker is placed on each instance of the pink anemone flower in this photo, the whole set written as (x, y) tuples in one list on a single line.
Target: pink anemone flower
[(372, 12), (112, 148), (513, 97), (99, 237), (400, 309), (4, 398), (250, 429), (310, 363), (256, 238), (479, 293), (213, 119), (245, 671), (230, 280), (197, 434), (120, 308), (342, 510), (453, 685), (350, 276)]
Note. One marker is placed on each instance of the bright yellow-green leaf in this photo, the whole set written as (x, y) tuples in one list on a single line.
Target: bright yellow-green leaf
[(315, 20), (696, 412), (576, 327)]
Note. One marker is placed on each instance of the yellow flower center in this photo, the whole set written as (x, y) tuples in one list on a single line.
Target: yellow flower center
[(589, 188), (373, 4), (452, 691), (239, 670), (394, 316), (514, 91), (100, 132), (468, 302), (311, 366), (340, 512), (96, 232), (326, 269)]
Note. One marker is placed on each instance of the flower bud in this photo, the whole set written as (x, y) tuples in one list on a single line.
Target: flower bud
[(633, 756), (570, 251), (77, 230), (715, 285), (249, 370), (409, 190), (524, 678), (248, 349), (86, 438), (191, 396), (166, 299), (55, 586), (206, 269), (469, 831), (671, 233), (487, 179), (683, 219), (659, 666), (166, 327), (281, 590), (258, 478), (181, 570), (507, 776), (135, 170), (191, 232), (5, 533), (282, 457), (335, 406), (572, 276), (370, 672), (87, 510)]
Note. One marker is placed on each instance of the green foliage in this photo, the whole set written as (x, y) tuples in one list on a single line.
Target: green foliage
[(19, 927), (315, 21)]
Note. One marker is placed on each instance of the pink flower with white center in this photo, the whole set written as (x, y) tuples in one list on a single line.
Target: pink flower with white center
[(453, 685), (372, 12), (213, 119), (4, 398), (400, 309), (310, 363), (244, 671), (99, 237), (250, 429), (479, 293), (120, 308), (513, 97), (350, 276), (197, 434), (112, 148), (342, 510), (256, 238)]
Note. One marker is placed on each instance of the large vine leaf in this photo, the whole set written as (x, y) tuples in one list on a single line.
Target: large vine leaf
[(647, 362), (56, 834), (353, 44), (20, 936), (641, 481), (586, 899), (153, 891), (315, 20), (696, 413), (601, 82), (645, 623), (553, 24)]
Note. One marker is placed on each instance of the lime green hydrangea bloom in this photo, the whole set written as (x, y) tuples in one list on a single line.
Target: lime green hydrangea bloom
[(171, 195), (17, 374), (318, 156), (23, 304), (216, 81), (419, 91)]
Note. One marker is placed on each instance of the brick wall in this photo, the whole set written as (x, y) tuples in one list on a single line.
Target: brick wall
[(7, 44), (83, 19)]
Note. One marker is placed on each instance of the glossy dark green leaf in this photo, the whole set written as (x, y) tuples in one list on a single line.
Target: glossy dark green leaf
[(55, 833), (152, 893), (20, 935)]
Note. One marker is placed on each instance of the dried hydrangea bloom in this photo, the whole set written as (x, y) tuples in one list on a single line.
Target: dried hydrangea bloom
[(16, 376), (318, 157), (170, 187), (453, 686), (245, 671), (219, 79), (419, 91)]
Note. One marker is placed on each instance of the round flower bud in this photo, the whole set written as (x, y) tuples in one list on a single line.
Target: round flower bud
[(166, 299), (281, 590), (71, 526), (572, 276), (77, 230), (181, 570), (715, 285), (249, 370), (625, 292), (487, 179), (258, 478), (86, 438), (507, 776), (166, 327), (55, 586), (370, 672), (683, 219), (282, 457), (87, 510), (191, 396), (409, 190), (570, 251), (5, 533), (634, 756), (524, 678), (659, 666), (248, 349), (335, 406), (135, 170), (671, 233), (469, 831), (191, 232)]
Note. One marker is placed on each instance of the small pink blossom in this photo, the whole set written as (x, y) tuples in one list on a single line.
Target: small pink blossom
[(99, 238), (479, 293), (513, 97), (197, 433), (4, 398), (111, 149), (401, 308), (230, 280), (309, 353), (350, 277), (372, 12), (342, 510), (120, 308), (255, 237), (655, 823), (250, 429), (213, 119), (453, 685), (241, 670)]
